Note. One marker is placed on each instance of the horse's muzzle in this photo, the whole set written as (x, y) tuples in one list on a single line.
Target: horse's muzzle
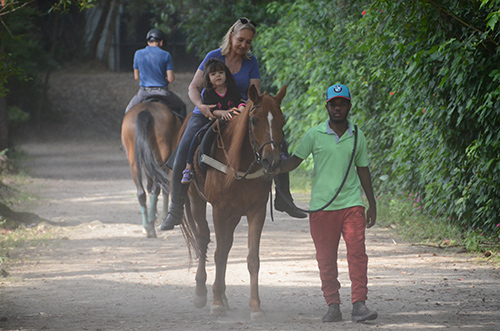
[(270, 165)]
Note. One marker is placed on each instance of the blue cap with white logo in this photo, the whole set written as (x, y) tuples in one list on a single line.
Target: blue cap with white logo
[(338, 91)]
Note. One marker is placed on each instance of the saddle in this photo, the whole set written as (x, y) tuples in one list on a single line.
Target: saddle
[(180, 113), (208, 142), (208, 136)]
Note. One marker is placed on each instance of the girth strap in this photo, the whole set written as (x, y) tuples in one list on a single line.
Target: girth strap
[(223, 168)]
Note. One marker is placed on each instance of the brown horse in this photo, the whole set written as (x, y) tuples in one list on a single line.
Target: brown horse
[(149, 133), (250, 142)]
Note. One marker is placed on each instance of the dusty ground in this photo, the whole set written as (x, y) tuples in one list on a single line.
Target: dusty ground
[(103, 274)]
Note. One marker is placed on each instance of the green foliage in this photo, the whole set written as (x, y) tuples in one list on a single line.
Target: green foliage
[(14, 243), (404, 213), (23, 58), (16, 116), (425, 83), (205, 22)]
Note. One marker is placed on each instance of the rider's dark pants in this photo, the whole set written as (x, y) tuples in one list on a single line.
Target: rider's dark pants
[(178, 190), (166, 96)]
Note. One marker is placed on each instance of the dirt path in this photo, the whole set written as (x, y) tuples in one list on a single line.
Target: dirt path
[(103, 274)]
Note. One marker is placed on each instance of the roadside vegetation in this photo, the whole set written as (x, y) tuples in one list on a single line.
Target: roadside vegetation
[(404, 215), (20, 232)]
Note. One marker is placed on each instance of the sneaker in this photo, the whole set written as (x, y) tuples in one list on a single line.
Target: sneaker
[(186, 176), (361, 313), (333, 314)]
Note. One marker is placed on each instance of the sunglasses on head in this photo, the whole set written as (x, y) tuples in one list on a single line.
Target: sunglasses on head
[(246, 21)]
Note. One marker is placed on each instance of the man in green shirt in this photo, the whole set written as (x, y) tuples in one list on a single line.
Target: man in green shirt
[(331, 144)]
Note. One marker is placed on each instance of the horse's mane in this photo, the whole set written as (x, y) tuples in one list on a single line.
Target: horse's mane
[(237, 130)]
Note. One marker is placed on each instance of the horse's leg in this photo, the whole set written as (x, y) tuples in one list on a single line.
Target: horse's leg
[(153, 201), (141, 194), (224, 226), (164, 209), (198, 209), (256, 220)]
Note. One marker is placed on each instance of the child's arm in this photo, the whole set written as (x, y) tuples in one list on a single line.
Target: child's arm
[(224, 114)]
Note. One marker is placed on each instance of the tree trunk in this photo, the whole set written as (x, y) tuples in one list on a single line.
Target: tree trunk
[(4, 126), (96, 34), (110, 34)]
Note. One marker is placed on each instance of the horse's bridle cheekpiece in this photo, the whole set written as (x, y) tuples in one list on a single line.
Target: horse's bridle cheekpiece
[(255, 145)]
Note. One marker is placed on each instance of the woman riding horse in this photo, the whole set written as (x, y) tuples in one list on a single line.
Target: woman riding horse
[(235, 52)]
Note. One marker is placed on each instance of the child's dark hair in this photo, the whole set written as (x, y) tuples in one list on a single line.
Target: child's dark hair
[(216, 65)]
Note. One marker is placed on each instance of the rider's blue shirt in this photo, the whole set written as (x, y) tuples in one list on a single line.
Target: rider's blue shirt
[(249, 70), (153, 63)]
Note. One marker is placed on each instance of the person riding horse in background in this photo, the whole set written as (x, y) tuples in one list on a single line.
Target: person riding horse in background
[(331, 145), (154, 70), (235, 52), (220, 90)]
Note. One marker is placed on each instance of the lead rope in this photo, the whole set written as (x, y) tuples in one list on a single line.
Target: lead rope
[(271, 202)]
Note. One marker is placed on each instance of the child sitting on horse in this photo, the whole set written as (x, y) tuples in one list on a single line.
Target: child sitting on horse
[(220, 92)]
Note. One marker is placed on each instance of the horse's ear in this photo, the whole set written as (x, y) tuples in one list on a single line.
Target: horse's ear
[(281, 94), (253, 94)]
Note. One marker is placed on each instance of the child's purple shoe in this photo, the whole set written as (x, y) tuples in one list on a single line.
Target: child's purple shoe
[(186, 176)]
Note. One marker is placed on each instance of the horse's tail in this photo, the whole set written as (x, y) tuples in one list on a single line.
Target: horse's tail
[(189, 231), (144, 156)]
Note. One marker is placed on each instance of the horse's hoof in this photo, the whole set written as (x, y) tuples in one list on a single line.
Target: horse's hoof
[(150, 231), (218, 310), (200, 301), (258, 316)]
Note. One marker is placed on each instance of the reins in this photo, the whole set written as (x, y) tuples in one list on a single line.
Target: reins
[(291, 204)]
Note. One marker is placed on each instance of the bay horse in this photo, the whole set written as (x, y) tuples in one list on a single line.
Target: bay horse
[(251, 141), (149, 135)]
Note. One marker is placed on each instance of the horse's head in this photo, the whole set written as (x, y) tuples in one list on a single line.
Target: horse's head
[(266, 127)]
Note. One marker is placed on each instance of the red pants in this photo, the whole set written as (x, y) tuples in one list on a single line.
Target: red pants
[(326, 228)]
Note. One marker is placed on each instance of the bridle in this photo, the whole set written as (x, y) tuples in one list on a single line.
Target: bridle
[(257, 150)]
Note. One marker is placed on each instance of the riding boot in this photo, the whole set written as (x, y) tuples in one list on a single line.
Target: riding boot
[(284, 201), (178, 193), (176, 210)]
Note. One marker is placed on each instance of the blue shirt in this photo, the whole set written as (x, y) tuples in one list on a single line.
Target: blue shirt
[(249, 70), (153, 63)]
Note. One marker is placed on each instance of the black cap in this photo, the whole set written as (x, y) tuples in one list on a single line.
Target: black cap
[(155, 35)]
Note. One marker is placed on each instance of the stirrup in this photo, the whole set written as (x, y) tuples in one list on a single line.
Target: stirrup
[(186, 176)]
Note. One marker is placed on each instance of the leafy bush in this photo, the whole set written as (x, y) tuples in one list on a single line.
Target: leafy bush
[(425, 82)]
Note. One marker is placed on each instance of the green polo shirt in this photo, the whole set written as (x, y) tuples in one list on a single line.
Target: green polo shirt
[(331, 159)]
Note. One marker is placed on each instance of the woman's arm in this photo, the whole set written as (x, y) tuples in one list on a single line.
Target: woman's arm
[(194, 92)]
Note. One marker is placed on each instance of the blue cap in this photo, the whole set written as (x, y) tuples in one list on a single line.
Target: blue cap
[(338, 91)]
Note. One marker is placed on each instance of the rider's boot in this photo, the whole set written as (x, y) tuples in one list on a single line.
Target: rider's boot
[(282, 182), (178, 193)]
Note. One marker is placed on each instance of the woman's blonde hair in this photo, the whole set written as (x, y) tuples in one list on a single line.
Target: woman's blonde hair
[(240, 24)]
